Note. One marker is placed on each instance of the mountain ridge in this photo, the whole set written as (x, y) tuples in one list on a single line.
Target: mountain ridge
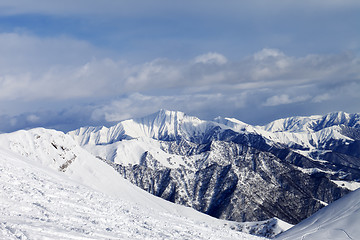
[(166, 123), (178, 157), (225, 168)]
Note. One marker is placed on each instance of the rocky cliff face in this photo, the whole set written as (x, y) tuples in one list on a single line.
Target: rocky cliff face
[(235, 182), (237, 173)]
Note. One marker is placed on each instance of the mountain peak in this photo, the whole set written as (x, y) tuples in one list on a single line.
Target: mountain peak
[(161, 116), (292, 124), (163, 125), (169, 112), (338, 118), (234, 124), (313, 123)]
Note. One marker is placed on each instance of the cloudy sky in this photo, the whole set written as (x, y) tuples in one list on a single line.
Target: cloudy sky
[(66, 64)]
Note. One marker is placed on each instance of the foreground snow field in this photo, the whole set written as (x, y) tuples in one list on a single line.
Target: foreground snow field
[(37, 201)]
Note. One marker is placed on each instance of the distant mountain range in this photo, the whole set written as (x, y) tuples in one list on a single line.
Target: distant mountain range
[(288, 169), (284, 171)]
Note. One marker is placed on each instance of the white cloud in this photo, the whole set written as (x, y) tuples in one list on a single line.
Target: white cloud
[(24, 52), (321, 98), (211, 58), (284, 99), (72, 71), (33, 118), (65, 68), (53, 72), (268, 53), (138, 105), (271, 63)]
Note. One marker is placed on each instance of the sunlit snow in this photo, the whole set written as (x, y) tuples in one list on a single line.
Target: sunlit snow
[(87, 199)]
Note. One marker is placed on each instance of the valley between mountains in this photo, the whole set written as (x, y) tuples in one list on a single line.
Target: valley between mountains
[(260, 179)]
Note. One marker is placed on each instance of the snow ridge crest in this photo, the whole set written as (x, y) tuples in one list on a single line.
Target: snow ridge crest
[(169, 125), (162, 125)]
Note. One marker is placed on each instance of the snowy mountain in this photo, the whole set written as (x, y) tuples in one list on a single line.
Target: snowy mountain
[(313, 123), (51, 188), (339, 220), (330, 142), (282, 172), (312, 132), (163, 125), (228, 169)]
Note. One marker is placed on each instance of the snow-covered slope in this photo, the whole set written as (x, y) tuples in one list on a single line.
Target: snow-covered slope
[(50, 188), (331, 141), (313, 123), (311, 132), (292, 124), (127, 141), (308, 135), (60, 152), (339, 220)]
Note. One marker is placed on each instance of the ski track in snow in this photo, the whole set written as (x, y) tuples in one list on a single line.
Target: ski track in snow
[(40, 203)]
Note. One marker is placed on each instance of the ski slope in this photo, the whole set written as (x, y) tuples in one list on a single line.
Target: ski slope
[(41, 198)]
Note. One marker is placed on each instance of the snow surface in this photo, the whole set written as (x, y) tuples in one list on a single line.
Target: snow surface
[(291, 131), (352, 186), (57, 190), (132, 150), (310, 133), (339, 220)]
